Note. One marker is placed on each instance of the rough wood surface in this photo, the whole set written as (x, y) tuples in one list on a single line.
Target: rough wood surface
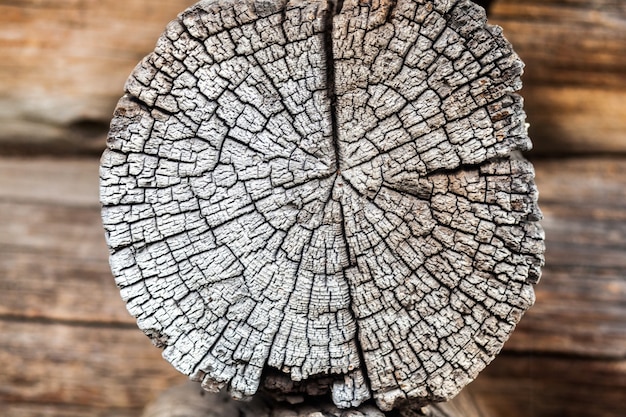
[(575, 88), (189, 400), (580, 308), (332, 194)]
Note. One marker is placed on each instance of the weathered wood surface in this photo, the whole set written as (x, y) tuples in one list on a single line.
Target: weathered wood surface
[(575, 88), (189, 400), (580, 305), (298, 195), (63, 62), (567, 357), (547, 367)]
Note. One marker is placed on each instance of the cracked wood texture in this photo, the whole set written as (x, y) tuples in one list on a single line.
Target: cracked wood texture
[(310, 198), (189, 400)]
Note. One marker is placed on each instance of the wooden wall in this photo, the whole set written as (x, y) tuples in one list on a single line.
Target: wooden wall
[(575, 77), (63, 64), (67, 345)]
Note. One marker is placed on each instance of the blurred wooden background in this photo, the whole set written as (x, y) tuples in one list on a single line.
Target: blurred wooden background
[(67, 345)]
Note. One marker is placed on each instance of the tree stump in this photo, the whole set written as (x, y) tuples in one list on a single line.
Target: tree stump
[(312, 197)]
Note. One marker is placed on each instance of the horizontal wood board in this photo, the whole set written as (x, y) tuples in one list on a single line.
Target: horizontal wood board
[(533, 385), (574, 83), (65, 62)]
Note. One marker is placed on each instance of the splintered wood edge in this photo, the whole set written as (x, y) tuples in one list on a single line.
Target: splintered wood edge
[(309, 200), (189, 400)]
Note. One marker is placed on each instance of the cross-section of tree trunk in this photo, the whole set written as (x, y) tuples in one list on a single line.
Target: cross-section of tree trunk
[(313, 197), (188, 400)]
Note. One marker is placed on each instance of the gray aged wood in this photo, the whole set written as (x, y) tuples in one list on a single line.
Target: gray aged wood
[(188, 400), (313, 198)]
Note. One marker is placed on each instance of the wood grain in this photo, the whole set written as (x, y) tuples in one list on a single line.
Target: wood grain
[(575, 87), (30, 180), (62, 410), (80, 365), (47, 228), (580, 306), (567, 41), (576, 119), (552, 386), (30, 288), (64, 63)]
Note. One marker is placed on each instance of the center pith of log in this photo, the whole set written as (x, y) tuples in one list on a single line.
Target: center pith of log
[(316, 197)]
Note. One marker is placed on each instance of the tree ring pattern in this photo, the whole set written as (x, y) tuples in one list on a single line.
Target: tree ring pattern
[(303, 191)]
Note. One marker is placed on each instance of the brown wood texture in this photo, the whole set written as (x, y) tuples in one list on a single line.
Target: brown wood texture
[(575, 55), (63, 64), (68, 347), (581, 299), (568, 355), (60, 410), (533, 385), (79, 364)]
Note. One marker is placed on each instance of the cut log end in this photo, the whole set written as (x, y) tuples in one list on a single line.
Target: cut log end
[(309, 201), (188, 400)]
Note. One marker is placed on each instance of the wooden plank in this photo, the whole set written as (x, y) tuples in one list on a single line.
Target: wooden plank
[(552, 386), (46, 286), (575, 119), (64, 65), (54, 262), (578, 311), (575, 89), (90, 366), (588, 187), (74, 233), (566, 41), (63, 182)]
